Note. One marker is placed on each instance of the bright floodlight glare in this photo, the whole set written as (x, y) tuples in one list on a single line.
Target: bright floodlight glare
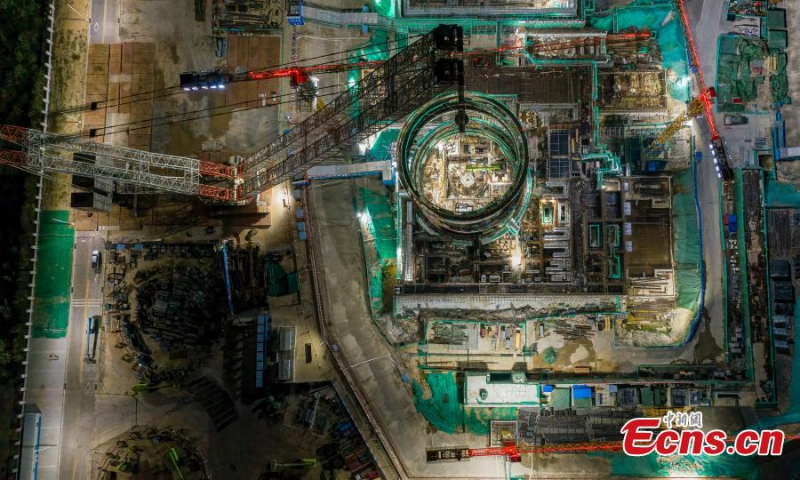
[(194, 88), (222, 86), (186, 89), (213, 87)]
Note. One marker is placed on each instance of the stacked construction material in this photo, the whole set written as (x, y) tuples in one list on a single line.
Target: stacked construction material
[(181, 308)]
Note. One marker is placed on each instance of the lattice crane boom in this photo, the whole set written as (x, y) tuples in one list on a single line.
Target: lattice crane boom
[(400, 84), (127, 166), (407, 80)]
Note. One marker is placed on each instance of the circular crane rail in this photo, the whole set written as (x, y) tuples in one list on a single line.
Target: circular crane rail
[(434, 123)]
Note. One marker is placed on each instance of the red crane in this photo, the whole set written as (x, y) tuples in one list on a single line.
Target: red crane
[(300, 75)]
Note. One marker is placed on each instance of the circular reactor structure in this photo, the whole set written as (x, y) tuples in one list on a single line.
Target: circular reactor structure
[(466, 181)]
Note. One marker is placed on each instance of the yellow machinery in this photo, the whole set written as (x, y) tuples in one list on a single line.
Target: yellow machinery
[(694, 109), (318, 104)]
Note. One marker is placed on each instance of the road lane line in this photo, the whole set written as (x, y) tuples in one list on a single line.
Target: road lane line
[(83, 337)]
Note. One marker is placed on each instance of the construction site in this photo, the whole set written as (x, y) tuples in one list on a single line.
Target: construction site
[(407, 239)]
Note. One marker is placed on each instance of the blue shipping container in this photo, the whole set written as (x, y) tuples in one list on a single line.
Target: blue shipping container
[(732, 223)]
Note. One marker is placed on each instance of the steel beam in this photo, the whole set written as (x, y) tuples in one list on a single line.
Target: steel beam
[(400, 84)]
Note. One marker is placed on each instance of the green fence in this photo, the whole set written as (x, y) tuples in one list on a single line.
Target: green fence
[(686, 241), (445, 410), (376, 215), (650, 14), (53, 275)]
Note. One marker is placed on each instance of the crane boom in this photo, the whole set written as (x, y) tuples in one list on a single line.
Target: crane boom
[(408, 79), (405, 81), (47, 152), (694, 109)]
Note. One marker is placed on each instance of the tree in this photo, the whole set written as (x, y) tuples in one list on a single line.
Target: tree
[(5, 357)]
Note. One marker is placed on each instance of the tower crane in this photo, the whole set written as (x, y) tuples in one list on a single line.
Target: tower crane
[(417, 73), (217, 79), (298, 75), (694, 109), (411, 77)]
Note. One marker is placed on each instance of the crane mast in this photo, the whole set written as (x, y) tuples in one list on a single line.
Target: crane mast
[(405, 81)]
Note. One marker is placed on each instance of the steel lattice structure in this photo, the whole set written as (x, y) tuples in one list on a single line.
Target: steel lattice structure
[(128, 167), (402, 83)]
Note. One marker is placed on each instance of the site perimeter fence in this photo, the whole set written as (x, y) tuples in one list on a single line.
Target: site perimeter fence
[(51, 14)]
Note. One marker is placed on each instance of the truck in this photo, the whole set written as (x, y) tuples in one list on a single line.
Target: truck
[(92, 329), (732, 120)]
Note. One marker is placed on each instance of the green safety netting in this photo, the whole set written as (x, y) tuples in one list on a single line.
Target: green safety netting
[(53, 275), (477, 420), (384, 8), (549, 356), (375, 278), (382, 147), (278, 281), (776, 18), (442, 409), (781, 194), (736, 58), (446, 412), (377, 215), (686, 240), (650, 15), (779, 82)]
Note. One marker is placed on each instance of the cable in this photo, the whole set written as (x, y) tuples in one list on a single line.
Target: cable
[(206, 116), (107, 105), (50, 177), (149, 120), (83, 107), (182, 91)]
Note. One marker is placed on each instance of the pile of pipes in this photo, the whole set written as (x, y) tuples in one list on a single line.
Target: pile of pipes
[(180, 308), (576, 328), (447, 334)]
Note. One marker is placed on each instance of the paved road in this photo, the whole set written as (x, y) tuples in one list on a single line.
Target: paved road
[(104, 24), (708, 189), (708, 21), (79, 398)]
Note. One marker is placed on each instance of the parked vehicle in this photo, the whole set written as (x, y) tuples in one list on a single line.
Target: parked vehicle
[(731, 120), (97, 259)]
